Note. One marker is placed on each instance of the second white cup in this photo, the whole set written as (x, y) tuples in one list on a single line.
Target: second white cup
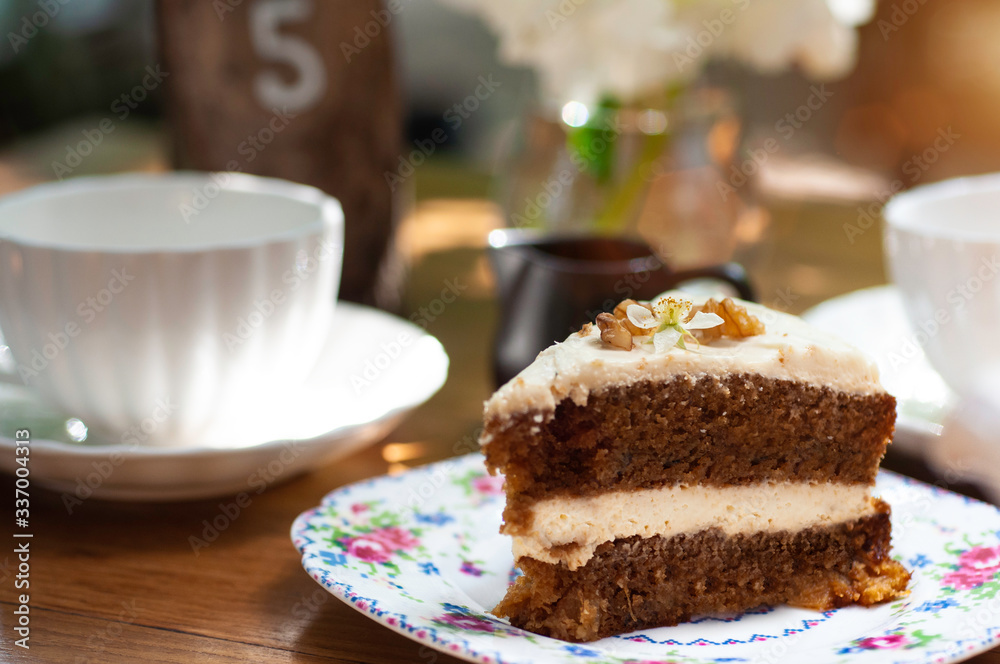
[(943, 245)]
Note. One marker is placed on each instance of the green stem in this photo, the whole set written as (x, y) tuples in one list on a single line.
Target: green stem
[(612, 217)]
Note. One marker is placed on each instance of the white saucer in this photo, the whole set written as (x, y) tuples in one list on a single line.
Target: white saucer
[(374, 369), (969, 448), (874, 320)]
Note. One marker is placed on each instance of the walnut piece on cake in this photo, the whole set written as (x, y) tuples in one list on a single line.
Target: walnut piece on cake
[(737, 322), (621, 314), (613, 332)]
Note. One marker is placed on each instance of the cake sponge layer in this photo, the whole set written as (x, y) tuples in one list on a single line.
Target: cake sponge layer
[(710, 430), (638, 583)]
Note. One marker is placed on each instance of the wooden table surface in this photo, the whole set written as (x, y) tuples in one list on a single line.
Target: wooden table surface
[(119, 582)]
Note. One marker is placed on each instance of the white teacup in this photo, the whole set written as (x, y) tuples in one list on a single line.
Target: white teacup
[(153, 306), (943, 245)]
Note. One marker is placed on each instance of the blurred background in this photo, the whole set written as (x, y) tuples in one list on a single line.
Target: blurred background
[(938, 75), (908, 84), (939, 71), (918, 107)]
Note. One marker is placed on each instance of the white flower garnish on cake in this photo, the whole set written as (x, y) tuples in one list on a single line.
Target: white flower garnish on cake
[(666, 318), (665, 323)]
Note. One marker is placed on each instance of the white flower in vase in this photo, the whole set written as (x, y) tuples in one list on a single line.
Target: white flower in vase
[(584, 50), (817, 35)]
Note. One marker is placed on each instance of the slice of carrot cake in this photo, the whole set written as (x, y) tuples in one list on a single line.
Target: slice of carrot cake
[(683, 458)]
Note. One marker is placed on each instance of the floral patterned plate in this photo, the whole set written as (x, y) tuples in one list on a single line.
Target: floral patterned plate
[(420, 553)]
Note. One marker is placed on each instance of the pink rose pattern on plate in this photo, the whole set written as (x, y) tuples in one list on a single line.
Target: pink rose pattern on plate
[(373, 544), (976, 567), (489, 485)]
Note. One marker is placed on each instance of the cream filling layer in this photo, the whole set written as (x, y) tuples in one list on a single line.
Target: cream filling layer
[(586, 522)]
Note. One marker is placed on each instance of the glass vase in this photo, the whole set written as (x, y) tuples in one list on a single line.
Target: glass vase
[(658, 174)]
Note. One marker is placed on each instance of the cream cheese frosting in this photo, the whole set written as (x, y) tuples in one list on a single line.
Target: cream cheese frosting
[(588, 521), (790, 349)]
